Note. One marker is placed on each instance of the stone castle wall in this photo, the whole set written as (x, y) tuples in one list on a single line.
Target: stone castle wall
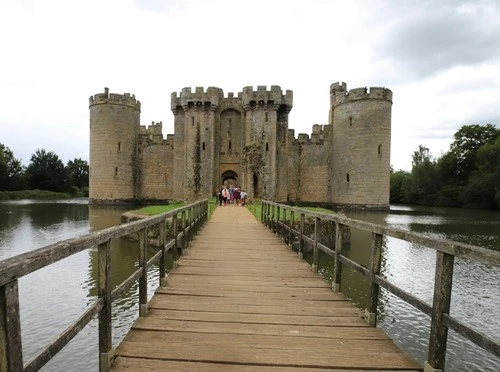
[(344, 162)]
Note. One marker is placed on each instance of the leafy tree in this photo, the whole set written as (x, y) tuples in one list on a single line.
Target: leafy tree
[(400, 187), (11, 170), (468, 140), (47, 172), (78, 173)]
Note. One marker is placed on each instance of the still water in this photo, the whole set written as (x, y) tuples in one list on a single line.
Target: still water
[(52, 298)]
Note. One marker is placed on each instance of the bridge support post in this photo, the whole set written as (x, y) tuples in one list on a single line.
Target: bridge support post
[(106, 351), (143, 280), (317, 221), (290, 226), (301, 236), (175, 248), (161, 265), (11, 348), (337, 270), (375, 261), (441, 305)]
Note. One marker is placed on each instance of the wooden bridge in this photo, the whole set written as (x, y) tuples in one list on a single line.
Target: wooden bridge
[(242, 301)]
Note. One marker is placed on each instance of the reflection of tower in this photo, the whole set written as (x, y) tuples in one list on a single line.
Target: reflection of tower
[(114, 129), (266, 123), (195, 140), (361, 121)]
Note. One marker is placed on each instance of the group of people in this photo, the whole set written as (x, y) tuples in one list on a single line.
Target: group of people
[(231, 195)]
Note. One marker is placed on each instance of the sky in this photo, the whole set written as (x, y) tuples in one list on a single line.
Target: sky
[(441, 59)]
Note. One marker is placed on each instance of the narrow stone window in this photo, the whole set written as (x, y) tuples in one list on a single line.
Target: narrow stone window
[(229, 145), (203, 146), (119, 146), (192, 121), (116, 171), (267, 117), (350, 121), (347, 177), (380, 149), (267, 146), (230, 122)]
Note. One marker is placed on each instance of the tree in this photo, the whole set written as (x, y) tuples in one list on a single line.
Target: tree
[(400, 187), (468, 140), (47, 172), (11, 170), (78, 173)]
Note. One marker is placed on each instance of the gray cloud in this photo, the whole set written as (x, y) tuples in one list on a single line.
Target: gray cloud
[(426, 37)]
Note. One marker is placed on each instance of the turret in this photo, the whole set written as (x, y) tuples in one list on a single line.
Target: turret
[(361, 135), (114, 129)]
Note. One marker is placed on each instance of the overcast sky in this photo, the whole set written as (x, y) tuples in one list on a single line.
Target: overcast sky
[(440, 58)]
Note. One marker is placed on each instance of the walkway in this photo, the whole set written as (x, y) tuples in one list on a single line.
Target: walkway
[(242, 301)]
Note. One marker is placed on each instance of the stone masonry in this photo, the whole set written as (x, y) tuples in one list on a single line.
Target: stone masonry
[(243, 140)]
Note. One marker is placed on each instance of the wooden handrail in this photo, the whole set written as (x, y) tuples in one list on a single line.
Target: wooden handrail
[(446, 251), (11, 269)]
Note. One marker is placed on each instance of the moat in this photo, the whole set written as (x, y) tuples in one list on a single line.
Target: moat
[(51, 298)]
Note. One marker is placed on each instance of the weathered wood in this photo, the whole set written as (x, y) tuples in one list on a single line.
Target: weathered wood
[(441, 305), (124, 286), (104, 293), (301, 236), (337, 269), (161, 266), (64, 338), (258, 306), (315, 245), (375, 261), (143, 280), (11, 349)]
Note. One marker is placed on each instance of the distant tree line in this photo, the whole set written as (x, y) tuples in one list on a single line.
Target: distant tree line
[(468, 175), (44, 172)]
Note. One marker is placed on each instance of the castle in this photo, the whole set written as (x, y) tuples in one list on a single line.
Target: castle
[(243, 140)]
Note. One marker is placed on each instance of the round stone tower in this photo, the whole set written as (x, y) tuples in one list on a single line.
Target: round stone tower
[(361, 137), (114, 129)]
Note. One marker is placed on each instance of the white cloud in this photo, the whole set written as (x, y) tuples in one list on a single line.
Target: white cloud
[(58, 53)]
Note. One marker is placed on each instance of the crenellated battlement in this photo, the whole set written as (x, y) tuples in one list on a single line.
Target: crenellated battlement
[(125, 99), (273, 96), (154, 128), (200, 97), (320, 132), (340, 94)]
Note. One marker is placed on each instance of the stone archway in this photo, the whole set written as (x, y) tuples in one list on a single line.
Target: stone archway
[(229, 177)]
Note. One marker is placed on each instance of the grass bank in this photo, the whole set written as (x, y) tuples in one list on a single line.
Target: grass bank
[(34, 194), (256, 209)]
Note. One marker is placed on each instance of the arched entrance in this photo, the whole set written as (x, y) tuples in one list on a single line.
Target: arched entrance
[(229, 178)]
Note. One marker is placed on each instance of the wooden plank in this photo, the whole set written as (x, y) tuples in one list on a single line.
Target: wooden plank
[(238, 303), (123, 364)]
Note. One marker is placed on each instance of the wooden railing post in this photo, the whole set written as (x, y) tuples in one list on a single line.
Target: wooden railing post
[(301, 236), (143, 280), (337, 269), (106, 351), (262, 212), (273, 221), (276, 224), (161, 242), (175, 248), (441, 305), (184, 242), (290, 234), (315, 246), (375, 261), (11, 347), (283, 236)]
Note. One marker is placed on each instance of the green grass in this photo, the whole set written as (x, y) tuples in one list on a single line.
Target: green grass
[(255, 209), (33, 194), (158, 209)]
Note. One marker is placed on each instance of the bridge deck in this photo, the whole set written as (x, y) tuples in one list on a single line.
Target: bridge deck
[(242, 301)]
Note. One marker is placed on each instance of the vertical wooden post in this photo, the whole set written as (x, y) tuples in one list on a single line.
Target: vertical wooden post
[(283, 236), (301, 236), (184, 243), (161, 243), (315, 246), (11, 347), (262, 212), (290, 233), (337, 270), (143, 280), (175, 248), (375, 261), (276, 225), (273, 221), (441, 305), (106, 351)]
